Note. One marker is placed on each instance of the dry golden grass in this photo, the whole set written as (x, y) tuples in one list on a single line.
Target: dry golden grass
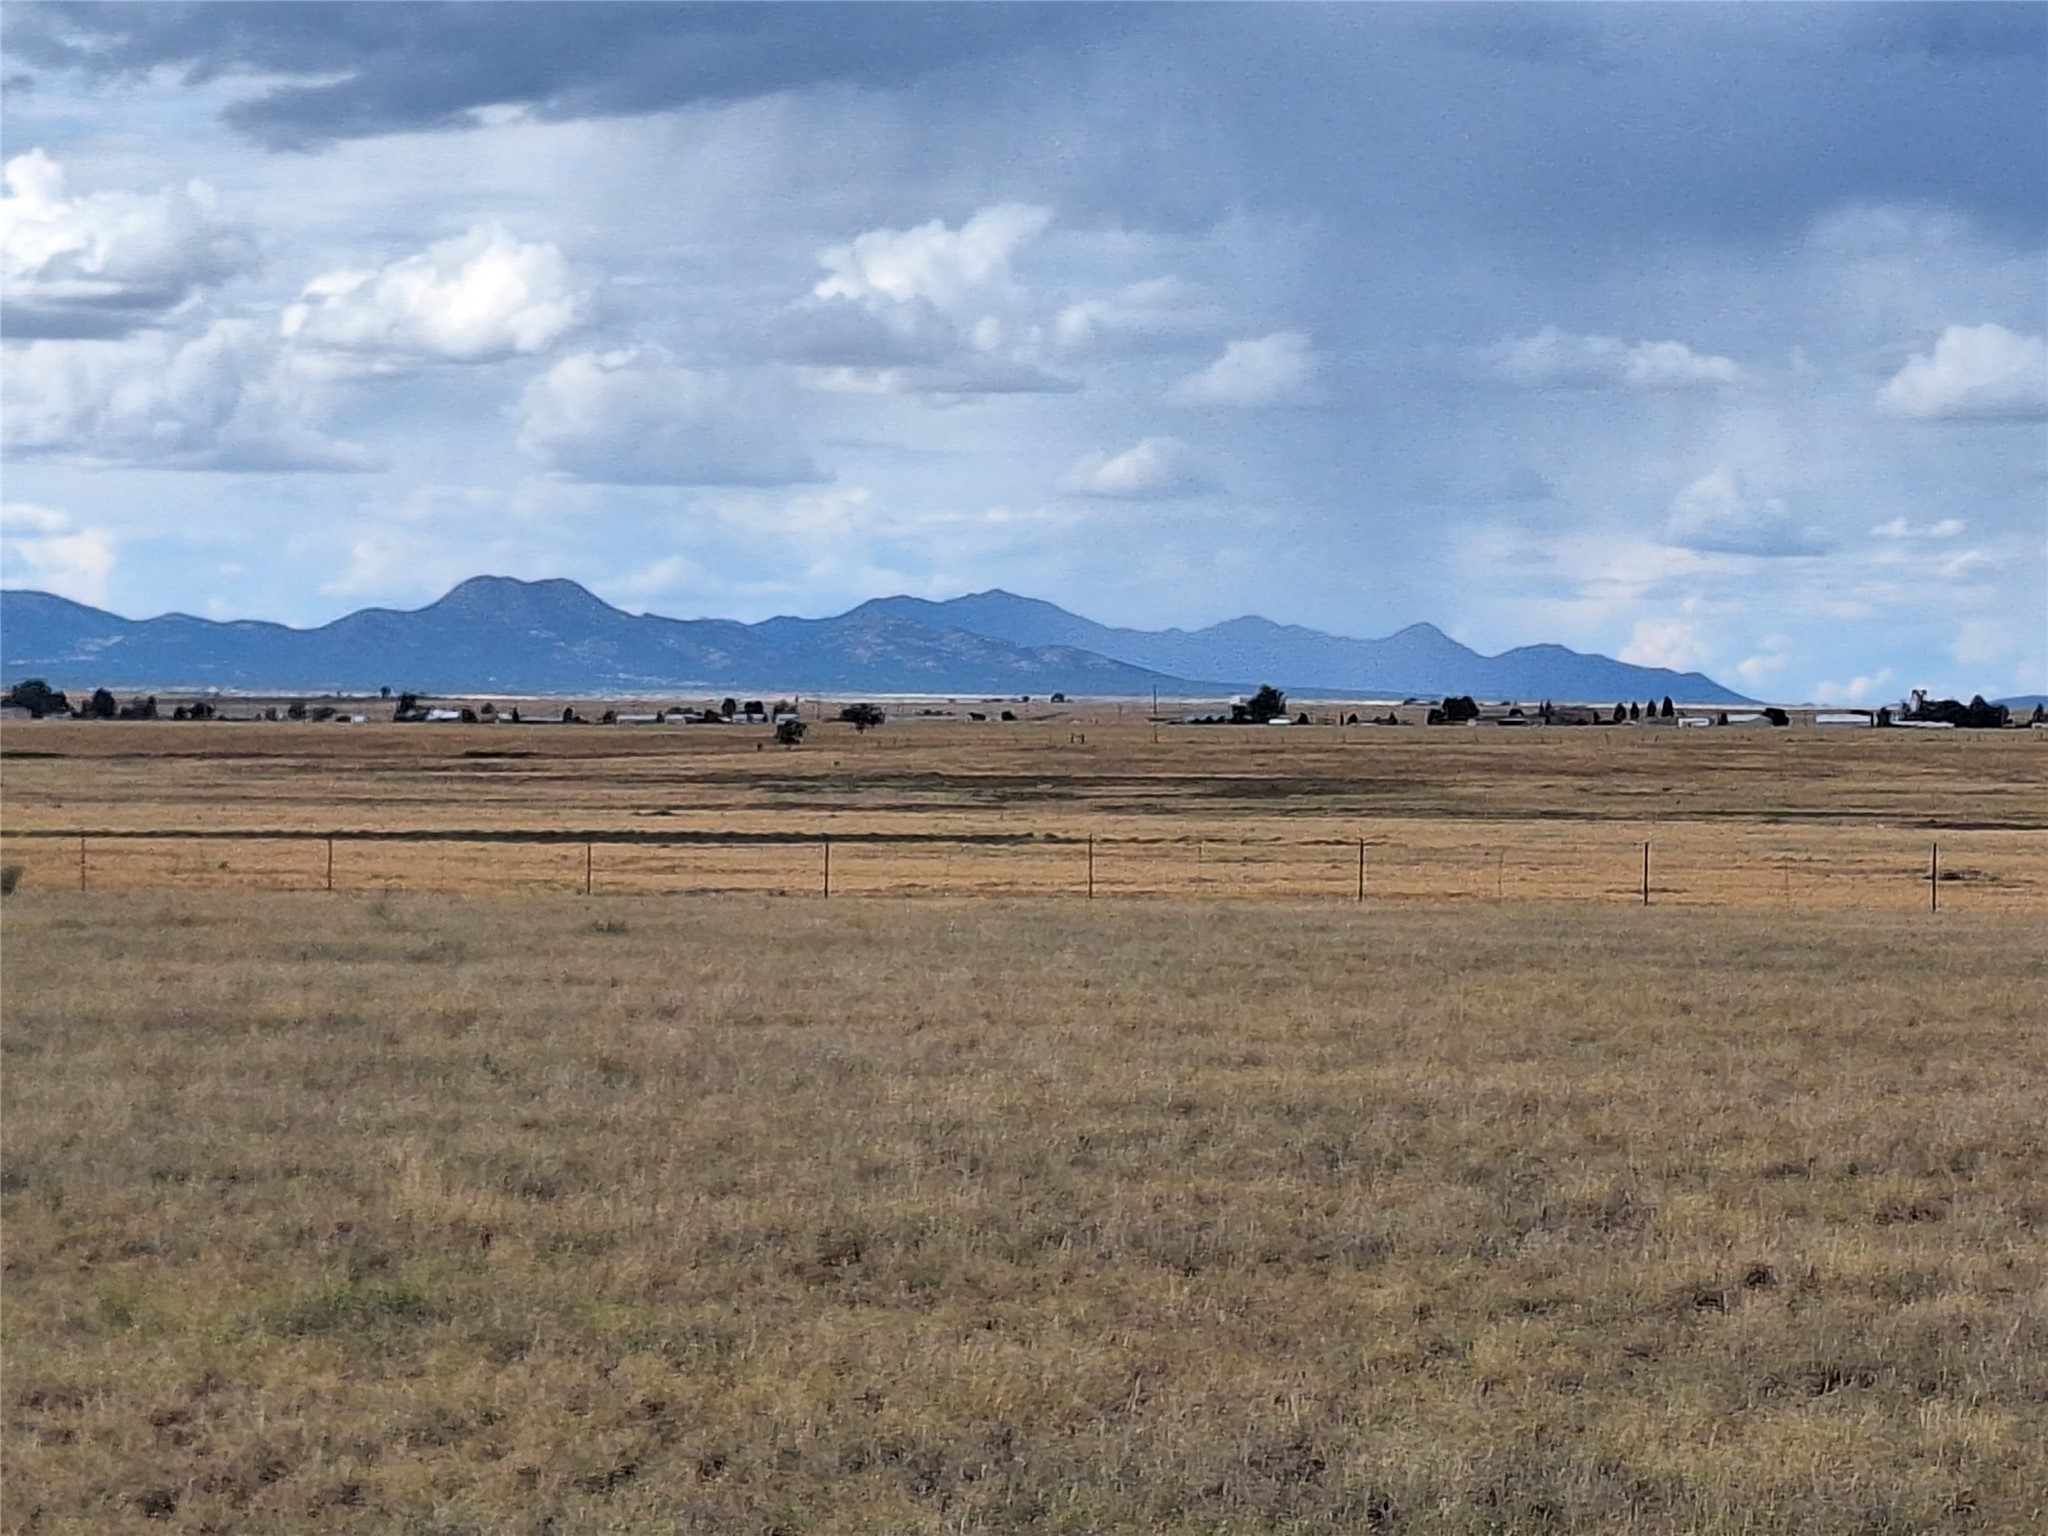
[(1759, 818), (424, 1214)]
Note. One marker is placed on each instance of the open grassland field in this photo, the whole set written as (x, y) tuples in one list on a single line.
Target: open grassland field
[(419, 1213), (1793, 819)]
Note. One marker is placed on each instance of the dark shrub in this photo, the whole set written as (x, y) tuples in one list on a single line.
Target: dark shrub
[(38, 698)]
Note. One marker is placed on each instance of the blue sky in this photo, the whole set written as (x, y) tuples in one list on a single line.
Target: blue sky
[(1706, 336)]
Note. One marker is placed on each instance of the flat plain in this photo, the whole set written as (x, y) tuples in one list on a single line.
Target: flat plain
[(455, 1201), (1736, 817)]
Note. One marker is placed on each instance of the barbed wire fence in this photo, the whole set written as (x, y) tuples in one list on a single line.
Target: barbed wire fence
[(1585, 863)]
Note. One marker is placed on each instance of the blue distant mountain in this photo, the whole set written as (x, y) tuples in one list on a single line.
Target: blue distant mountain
[(1419, 660), (493, 634)]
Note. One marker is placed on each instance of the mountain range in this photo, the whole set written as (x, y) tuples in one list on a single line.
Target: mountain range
[(493, 634)]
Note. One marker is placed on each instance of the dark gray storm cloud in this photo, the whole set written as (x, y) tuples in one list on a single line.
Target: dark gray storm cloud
[(1591, 126), (1567, 126), (406, 67)]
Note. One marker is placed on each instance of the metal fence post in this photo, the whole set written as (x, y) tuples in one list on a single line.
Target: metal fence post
[(330, 863), (1361, 869), (828, 866), (81, 861), (1646, 872), (1934, 877), (1091, 866), (588, 860)]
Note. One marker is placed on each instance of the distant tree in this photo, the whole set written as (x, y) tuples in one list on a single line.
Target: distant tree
[(201, 710), (1721, 718), (296, 710), (729, 708), (568, 714), (1460, 707), (790, 733), (515, 714), (1777, 716), (863, 717), (1435, 716), (1667, 711), (1635, 711), (1267, 704), (38, 698), (1620, 714), (138, 709), (1008, 714), (2039, 717), (755, 707), (384, 692), (102, 706), (1059, 698), (1884, 716)]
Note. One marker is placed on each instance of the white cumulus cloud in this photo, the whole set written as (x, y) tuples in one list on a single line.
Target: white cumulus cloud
[(1719, 514), (41, 548), (924, 311), (1259, 370), (1669, 643), (1857, 690), (946, 268), (218, 400), (1154, 469), (1556, 359), (1974, 373), (478, 298), (107, 263), (634, 416)]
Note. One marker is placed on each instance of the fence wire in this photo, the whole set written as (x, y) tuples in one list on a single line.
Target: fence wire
[(1855, 869)]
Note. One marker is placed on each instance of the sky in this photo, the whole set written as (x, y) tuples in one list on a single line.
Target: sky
[(1705, 336)]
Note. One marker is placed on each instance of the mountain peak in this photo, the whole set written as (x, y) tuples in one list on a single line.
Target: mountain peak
[(508, 595)]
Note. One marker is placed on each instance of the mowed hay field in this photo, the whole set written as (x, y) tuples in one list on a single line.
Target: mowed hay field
[(1743, 818), (1493, 1203), (414, 1213)]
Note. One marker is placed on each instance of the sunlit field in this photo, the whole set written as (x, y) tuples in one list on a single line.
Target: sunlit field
[(1746, 818), (1510, 1206)]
